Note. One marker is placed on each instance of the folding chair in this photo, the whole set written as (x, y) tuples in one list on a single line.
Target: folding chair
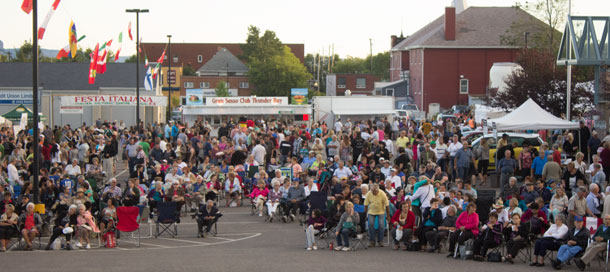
[(128, 221), (359, 239), (166, 219)]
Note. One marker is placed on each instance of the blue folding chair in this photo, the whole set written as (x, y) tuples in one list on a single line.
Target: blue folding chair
[(167, 220)]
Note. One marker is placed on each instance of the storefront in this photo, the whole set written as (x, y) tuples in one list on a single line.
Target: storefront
[(217, 110)]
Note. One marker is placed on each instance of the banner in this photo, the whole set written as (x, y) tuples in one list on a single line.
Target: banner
[(298, 96), (194, 97), (71, 110), (23, 123), (113, 100), (286, 172), (241, 101), (16, 97)]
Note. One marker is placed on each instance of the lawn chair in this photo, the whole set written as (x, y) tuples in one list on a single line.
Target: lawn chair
[(167, 219), (128, 221)]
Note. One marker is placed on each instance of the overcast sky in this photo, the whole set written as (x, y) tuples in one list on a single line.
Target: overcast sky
[(348, 24)]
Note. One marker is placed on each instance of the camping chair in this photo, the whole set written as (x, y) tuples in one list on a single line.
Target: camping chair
[(128, 221), (167, 218), (317, 200)]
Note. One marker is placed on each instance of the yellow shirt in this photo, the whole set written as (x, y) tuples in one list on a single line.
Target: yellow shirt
[(402, 142), (376, 203), (426, 127)]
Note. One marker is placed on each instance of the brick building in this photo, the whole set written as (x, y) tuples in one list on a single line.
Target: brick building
[(358, 84), (448, 60)]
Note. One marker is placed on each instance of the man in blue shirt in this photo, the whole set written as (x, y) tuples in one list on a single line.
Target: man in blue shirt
[(167, 131), (538, 165), (463, 158), (593, 199)]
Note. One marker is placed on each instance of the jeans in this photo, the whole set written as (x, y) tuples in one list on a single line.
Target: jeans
[(380, 227), (504, 176), (462, 172), (343, 237), (310, 234), (567, 252)]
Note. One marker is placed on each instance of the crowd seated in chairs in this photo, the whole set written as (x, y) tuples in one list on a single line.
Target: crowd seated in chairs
[(207, 217)]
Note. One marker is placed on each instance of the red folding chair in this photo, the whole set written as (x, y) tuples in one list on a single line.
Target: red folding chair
[(128, 221)]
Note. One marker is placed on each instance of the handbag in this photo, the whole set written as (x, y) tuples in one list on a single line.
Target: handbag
[(494, 257), (110, 240), (348, 225)]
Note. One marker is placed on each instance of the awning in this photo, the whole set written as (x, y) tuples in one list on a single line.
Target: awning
[(363, 112), (278, 110)]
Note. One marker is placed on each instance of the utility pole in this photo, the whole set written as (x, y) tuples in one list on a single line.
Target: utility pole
[(169, 82), (569, 71), (371, 49), (137, 12), (36, 172)]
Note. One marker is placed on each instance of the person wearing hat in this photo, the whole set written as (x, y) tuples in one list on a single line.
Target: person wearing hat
[(395, 180), (385, 169), (576, 242), (501, 212)]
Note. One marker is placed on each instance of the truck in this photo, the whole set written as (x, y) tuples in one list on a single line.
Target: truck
[(413, 112)]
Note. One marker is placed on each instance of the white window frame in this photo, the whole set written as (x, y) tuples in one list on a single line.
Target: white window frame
[(244, 85), (204, 85), (343, 85), (387, 92), (464, 90), (200, 58), (360, 86), (175, 59), (188, 84)]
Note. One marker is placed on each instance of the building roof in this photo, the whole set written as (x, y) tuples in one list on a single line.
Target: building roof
[(70, 76), (223, 61), (475, 27), (188, 53)]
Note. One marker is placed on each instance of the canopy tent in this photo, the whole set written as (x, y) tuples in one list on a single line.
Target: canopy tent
[(530, 116), (15, 114)]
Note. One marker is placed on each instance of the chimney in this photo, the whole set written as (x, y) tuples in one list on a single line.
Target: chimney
[(450, 23), (394, 38)]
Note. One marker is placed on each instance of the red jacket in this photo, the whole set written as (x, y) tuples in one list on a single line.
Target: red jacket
[(469, 221), (409, 223)]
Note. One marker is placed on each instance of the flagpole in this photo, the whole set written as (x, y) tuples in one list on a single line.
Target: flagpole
[(35, 130), (137, 12)]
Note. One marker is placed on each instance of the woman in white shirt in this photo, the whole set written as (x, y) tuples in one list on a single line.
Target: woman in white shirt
[(310, 187), (73, 169), (550, 240)]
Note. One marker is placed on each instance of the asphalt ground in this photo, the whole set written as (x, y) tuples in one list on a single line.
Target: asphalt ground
[(244, 243)]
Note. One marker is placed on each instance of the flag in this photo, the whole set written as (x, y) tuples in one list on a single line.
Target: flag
[(93, 64), (64, 52), (72, 42), (116, 57), (139, 44), (101, 62), (156, 70), (26, 6), (129, 31), (148, 85), (160, 60), (43, 27), (109, 42), (145, 61)]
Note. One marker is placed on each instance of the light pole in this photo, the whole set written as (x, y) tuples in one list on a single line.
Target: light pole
[(137, 12), (36, 135), (169, 82)]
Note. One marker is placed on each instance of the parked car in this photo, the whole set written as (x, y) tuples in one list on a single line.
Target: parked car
[(533, 140)]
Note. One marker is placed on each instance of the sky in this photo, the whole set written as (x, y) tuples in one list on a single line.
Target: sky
[(346, 24)]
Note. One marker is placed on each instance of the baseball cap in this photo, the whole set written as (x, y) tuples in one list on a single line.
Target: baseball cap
[(578, 218)]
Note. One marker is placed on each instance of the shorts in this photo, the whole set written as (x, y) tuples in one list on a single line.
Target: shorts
[(482, 166)]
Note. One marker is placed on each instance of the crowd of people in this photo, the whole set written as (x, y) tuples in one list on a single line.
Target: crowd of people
[(417, 180)]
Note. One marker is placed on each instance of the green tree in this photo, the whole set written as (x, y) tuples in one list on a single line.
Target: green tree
[(132, 59), (222, 90), (188, 71), (273, 69), (276, 75), (352, 65)]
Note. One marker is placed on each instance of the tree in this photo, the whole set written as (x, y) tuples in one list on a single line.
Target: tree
[(541, 80), (188, 71), (132, 59), (273, 69), (351, 65), (222, 90)]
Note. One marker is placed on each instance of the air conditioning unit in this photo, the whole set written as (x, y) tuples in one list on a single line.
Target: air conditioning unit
[(341, 86), (360, 86)]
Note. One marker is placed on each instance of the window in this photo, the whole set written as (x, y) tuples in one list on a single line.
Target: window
[(341, 82), (204, 84), (176, 58), (244, 85), (188, 84), (360, 83), (389, 92), (183, 99), (463, 86), (200, 58)]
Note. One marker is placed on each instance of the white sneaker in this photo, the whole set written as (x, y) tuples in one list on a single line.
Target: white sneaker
[(309, 249), (260, 214), (315, 248), (88, 246), (345, 249), (338, 248), (78, 245)]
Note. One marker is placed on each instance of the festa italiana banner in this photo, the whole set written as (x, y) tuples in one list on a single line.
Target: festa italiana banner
[(113, 100)]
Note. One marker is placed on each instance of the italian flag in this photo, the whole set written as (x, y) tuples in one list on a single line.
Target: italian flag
[(27, 6), (145, 61), (43, 27), (93, 64), (65, 52), (116, 57), (101, 61)]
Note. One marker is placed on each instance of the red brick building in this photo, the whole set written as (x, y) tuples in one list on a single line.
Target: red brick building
[(448, 60), (358, 84)]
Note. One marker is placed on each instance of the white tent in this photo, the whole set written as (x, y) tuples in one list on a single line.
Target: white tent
[(531, 116)]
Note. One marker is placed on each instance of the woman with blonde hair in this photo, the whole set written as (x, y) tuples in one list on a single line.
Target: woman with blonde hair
[(259, 196), (513, 207), (346, 227), (570, 146), (559, 202)]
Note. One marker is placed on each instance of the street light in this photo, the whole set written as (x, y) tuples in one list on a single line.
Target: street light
[(137, 12), (169, 82)]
